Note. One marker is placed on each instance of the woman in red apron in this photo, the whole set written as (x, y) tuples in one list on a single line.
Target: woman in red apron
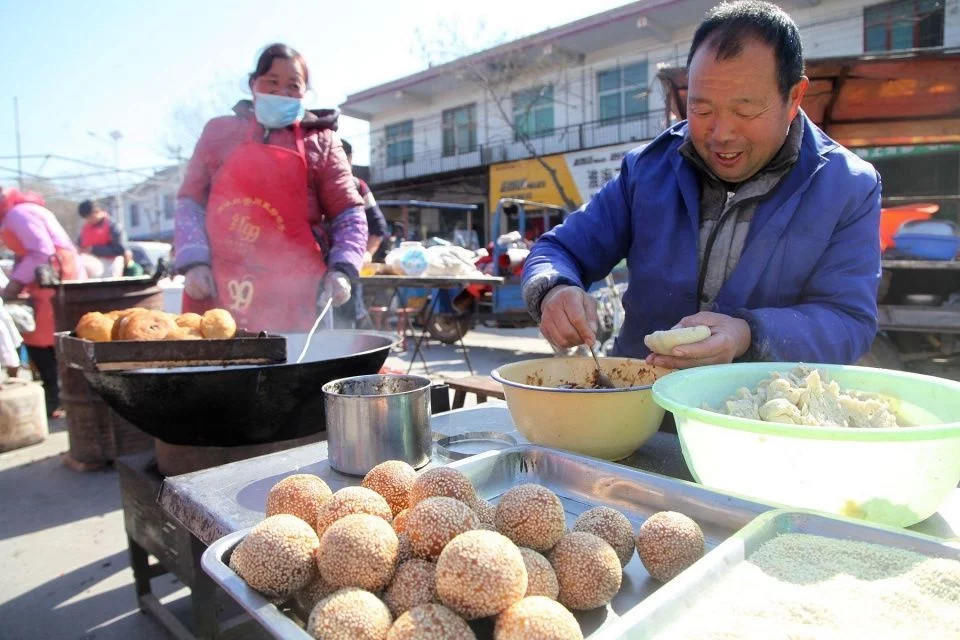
[(269, 222), (35, 236)]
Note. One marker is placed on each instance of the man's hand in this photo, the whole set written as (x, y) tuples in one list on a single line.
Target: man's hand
[(729, 339), (198, 282), (568, 317)]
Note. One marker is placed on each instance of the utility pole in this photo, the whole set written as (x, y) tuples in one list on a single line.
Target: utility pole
[(16, 126), (116, 135)]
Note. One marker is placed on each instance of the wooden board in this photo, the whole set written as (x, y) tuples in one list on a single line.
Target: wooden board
[(245, 348)]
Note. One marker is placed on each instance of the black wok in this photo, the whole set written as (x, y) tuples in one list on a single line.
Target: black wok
[(242, 405)]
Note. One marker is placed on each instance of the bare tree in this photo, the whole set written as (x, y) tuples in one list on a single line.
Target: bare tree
[(498, 74)]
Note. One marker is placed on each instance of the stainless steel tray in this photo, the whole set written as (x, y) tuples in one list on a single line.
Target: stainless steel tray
[(581, 483), (677, 598)]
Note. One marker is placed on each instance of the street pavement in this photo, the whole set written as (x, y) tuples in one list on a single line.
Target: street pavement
[(63, 550)]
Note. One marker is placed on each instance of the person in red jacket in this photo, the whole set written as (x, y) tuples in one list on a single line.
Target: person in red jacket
[(269, 223), (100, 236)]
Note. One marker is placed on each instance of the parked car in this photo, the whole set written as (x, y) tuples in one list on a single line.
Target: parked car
[(146, 254)]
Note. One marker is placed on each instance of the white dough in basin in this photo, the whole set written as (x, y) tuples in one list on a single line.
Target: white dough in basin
[(663, 342)]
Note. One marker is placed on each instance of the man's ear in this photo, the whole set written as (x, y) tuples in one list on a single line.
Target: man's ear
[(797, 92)]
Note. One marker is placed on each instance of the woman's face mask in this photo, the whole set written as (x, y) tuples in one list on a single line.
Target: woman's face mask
[(277, 112)]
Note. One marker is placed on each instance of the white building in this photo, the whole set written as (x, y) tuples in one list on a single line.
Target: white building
[(149, 206), (588, 90)]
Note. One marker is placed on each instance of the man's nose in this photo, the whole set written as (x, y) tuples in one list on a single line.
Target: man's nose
[(724, 130)]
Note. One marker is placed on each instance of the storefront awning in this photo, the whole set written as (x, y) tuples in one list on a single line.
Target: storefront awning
[(903, 98)]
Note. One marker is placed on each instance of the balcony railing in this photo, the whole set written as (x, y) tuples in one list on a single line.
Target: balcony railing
[(576, 137)]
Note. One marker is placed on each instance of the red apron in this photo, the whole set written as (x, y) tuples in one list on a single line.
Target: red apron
[(65, 264), (266, 262), (95, 235)]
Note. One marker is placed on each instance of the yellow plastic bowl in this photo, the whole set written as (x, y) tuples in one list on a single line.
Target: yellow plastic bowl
[(603, 423)]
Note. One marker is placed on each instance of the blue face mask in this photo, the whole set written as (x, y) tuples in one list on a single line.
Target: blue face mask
[(277, 112)]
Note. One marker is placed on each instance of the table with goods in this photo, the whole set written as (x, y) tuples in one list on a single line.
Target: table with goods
[(393, 283), (792, 529)]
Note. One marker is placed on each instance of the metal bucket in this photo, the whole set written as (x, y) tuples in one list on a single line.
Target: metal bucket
[(372, 419)]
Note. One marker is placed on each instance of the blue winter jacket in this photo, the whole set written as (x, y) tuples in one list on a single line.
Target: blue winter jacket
[(807, 279)]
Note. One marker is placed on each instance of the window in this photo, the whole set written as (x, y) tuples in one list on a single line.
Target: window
[(134, 215), (460, 130), (904, 24), (168, 207), (622, 92), (533, 112), (399, 143)]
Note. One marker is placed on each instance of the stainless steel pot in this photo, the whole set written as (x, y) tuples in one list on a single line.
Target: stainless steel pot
[(372, 419)]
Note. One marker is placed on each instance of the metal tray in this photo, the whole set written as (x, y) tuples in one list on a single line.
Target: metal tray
[(677, 598), (119, 355), (581, 483)]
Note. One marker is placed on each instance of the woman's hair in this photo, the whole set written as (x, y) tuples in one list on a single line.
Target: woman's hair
[(278, 50)]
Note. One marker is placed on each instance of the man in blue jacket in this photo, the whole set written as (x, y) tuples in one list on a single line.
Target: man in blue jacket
[(745, 218)]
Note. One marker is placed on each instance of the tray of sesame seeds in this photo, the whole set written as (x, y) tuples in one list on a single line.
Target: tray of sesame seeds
[(803, 574), (580, 483)]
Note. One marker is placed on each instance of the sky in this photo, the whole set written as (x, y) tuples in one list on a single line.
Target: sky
[(154, 72)]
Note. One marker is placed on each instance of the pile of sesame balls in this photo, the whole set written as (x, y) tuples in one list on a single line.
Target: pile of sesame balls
[(420, 555)]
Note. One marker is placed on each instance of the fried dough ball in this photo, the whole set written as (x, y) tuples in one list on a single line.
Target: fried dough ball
[(481, 573), (537, 618), (95, 326), (668, 542), (147, 325), (218, 324), (120, 322), (532, 516), (189, 320), (301, 495), (612, 527), (430, 622), (443, 482), (350, 614), (588, 570), (277, 557), (393, 480), (358, 550), (434, 522)]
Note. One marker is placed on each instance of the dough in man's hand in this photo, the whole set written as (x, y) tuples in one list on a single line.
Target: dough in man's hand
[(663, 342)]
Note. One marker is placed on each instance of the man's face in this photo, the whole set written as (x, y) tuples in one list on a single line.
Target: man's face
[(738, 119)]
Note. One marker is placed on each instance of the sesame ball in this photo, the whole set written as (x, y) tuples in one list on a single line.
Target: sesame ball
[(300, 495), (434, 522), (486, 511), (537, 618), (404, 549), (400, 521), (350, 614), (358, 550), (480, 573), (430, 622), (393, 480), (307, 598), (667, 543), (352, 500), (588, 570), (532, 516), (541, 578), (612, 527), (413, 584), (276, 557), (443, 482)]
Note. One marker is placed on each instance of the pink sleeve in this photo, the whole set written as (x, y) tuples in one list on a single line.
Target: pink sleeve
[(36, 241), (200, 170), (336, 187)]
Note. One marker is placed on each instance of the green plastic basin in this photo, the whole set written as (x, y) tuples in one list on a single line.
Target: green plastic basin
[(896, 476)]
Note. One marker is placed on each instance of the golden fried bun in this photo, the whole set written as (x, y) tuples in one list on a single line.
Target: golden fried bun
[(189, 320), (95, 326), (218, 324), (148, 325), (185, 333)]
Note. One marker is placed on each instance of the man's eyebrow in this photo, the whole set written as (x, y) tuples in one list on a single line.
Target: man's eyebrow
[(698, 100)]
